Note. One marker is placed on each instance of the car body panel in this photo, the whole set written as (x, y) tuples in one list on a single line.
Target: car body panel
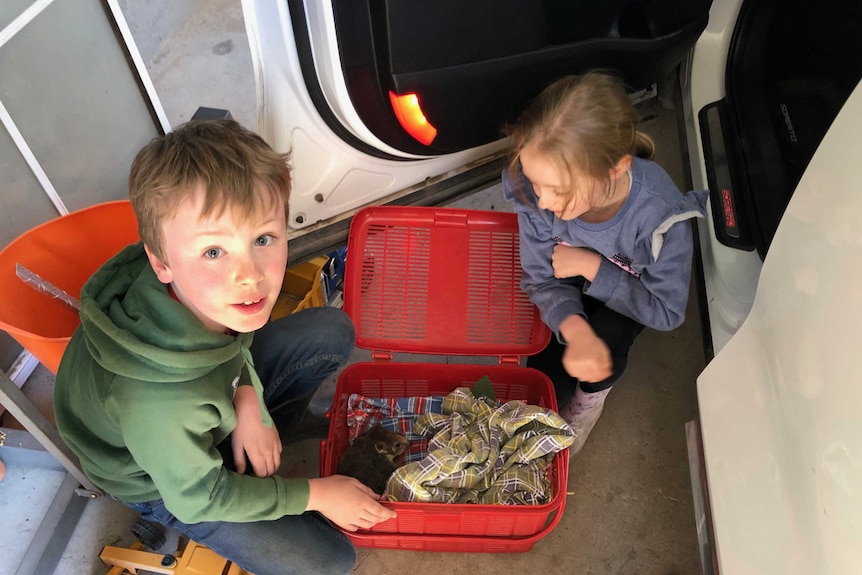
[(781, 403), (730, 274)]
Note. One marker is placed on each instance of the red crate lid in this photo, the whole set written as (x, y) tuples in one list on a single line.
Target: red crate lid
[(439, 281)]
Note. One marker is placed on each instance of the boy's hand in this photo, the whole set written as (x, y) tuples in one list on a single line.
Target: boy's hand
[(346, 502), (251, 437), (571, 262), (587, 356)]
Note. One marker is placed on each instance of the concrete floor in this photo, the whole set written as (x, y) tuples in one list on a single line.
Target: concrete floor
[(629, 509)]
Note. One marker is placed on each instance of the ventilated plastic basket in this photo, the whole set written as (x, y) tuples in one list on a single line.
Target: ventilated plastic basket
[(443, 281)]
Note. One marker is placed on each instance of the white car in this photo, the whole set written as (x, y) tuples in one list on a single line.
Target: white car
[(773, 118)]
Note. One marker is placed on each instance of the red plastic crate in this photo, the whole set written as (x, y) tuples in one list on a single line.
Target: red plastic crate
[(443, 281)]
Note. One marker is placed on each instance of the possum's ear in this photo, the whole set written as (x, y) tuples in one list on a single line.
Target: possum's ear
[(401, 446)]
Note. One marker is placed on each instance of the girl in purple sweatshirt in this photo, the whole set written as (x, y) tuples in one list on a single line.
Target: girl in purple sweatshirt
[(606, 245)]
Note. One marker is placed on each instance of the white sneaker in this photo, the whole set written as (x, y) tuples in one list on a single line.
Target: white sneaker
[(582, 412)]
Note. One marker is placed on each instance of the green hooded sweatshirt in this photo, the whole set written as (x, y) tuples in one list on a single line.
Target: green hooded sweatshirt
[(144, 393)]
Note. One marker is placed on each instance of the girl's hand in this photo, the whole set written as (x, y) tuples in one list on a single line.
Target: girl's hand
[(587, 356), (571, 262), (346, 502), (251, 437)]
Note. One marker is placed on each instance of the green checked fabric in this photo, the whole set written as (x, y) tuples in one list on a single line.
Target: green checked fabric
[(481, 452)]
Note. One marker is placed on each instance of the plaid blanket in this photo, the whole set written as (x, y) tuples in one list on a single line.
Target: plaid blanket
[(482, 452), (398, 414)]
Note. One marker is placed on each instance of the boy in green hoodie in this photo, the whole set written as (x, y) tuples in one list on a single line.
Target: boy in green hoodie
[(165, 372)]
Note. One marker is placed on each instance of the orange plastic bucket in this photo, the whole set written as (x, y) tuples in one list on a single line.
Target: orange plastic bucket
[(65, 252)]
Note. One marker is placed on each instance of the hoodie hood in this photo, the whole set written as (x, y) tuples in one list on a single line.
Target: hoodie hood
[(135, 329)]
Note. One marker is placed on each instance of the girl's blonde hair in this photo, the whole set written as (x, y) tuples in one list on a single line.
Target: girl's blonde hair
[(235, 167), (583, 124)]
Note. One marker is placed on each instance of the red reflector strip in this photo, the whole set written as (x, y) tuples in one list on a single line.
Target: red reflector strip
[(727, 205), (411, 117)]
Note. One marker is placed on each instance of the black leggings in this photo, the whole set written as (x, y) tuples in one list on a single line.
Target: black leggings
[(615, 329)]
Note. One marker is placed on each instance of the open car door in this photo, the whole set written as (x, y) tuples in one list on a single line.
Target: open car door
[(404, 101)]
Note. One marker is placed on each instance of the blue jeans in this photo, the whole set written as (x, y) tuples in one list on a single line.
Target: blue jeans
[(292, 356), (292, 545)]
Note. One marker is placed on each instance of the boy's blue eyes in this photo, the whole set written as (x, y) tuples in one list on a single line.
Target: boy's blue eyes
[(261, 241)]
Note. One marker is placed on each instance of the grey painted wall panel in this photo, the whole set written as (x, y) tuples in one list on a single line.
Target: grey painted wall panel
[(69, 89), (11, 9), (23, 204)]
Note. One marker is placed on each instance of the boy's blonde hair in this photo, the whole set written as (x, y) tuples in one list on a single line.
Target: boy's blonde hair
[(234, 167), (583, 124)]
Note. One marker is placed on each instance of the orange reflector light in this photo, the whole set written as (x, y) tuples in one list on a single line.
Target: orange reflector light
[(411, 118)]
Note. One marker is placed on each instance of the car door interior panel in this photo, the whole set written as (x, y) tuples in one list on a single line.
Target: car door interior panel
[(472, 66), (791, 66)]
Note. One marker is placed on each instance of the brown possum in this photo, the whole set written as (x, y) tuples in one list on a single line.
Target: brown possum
[(372, 458)]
